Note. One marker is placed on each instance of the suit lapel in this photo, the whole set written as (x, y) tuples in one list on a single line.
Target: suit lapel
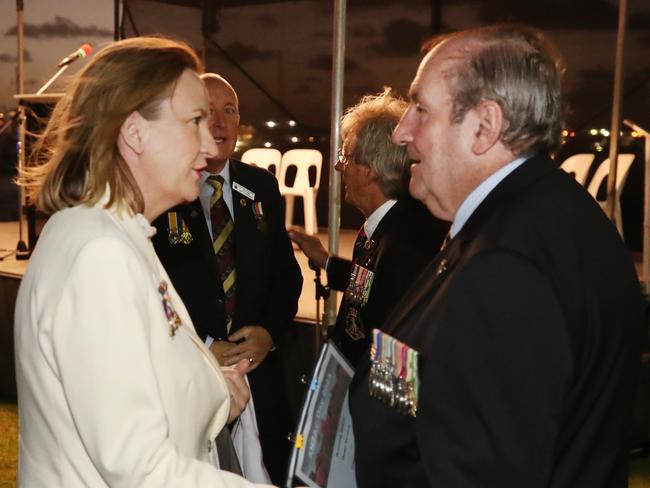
[(375, 245), (388, 221), (391, 218), (433, 276), (515, 183), (193, 216), (242, 207)]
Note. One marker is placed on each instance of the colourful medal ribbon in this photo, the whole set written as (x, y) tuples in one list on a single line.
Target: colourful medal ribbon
[(380, 343), (414, 380), (172, 218), (368, 285), (403, 360), (257, 210), (353, 278), (186, 236), (172, 228)]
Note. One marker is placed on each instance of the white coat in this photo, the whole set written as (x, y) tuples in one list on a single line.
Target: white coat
[(106, 396)]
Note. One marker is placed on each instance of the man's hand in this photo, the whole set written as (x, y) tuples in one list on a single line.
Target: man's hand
[(218, 348), (311, 246), (239, 391), (257, 343)]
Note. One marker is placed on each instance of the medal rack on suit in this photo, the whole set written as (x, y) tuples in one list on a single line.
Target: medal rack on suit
[(405, 241)]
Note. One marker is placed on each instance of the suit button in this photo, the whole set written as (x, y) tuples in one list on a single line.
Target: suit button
[(209, 446), (219, 301)]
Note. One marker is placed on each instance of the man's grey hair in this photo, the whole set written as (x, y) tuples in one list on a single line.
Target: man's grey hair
[(366, 130), (519, 69)]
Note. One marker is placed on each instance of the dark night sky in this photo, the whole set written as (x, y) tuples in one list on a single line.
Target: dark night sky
[(286, 47)]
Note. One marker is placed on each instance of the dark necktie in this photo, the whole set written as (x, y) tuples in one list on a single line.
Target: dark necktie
[(224, 245), (360, 241), (228, 460)]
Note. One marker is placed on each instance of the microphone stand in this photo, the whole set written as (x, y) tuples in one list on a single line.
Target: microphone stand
[(323, 292), (23, 251), (53, 79)]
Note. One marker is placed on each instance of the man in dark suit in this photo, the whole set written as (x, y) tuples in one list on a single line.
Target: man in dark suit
[(399, 236), (243, 307), (527, 325)]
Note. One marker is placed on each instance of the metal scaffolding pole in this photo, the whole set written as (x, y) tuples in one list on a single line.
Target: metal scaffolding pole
[(334, 214), (21, 248), (616, 112), (645, 269)]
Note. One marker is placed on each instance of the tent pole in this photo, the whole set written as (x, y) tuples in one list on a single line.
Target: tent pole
[(616, 112), (645, 266), (116, 20), (334, 214)]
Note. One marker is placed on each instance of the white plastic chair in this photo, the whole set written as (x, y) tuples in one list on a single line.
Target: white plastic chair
[(579, 165), (267, 158), (302, 160), (624, 164)]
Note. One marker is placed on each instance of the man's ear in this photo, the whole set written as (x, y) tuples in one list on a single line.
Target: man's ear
[(369, 173), (490, 126), (132, 132)]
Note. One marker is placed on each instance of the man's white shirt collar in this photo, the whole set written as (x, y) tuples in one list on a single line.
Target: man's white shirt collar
[(224, 173), (476, 197), (370, 226)]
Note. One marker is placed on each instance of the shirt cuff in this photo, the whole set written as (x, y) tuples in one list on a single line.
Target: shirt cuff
[(208, 341)]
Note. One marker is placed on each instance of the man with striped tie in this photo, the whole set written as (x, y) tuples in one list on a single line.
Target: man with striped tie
[(229, 257)]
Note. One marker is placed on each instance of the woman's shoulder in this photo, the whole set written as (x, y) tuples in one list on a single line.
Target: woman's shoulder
[(69, 231), (81, 223)]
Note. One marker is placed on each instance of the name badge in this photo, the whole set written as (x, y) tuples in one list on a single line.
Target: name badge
[(243, 190)]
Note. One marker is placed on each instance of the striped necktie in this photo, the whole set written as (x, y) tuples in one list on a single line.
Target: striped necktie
[(224, 245)]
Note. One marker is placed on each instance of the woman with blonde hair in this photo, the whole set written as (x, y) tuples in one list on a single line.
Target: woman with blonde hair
[(114, 386)]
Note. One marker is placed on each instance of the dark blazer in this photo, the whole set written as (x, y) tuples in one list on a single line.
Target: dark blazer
[(268, 286), (528, 325), (405, 241)]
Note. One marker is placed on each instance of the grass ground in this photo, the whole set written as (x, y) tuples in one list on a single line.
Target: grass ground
[(640, 472), (8, 444), (639, 466)]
